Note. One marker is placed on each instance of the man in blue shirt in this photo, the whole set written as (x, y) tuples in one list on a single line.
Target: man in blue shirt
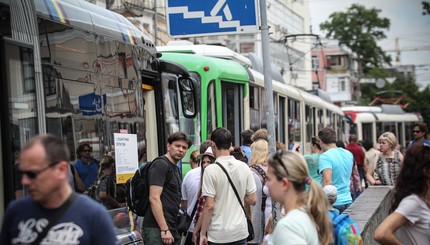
[(420, 131), (335, 165), (44, 169), (246, 136), (86, 165)]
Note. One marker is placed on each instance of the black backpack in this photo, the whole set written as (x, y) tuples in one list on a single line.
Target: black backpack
[(137, 190)]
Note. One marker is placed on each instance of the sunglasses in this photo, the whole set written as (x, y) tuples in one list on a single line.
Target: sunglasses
[(278, 157), (416, 131), (32, 174)]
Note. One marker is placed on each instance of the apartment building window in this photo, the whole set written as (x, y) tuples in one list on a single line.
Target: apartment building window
[(342, 84), (335, 60), (315, 62)]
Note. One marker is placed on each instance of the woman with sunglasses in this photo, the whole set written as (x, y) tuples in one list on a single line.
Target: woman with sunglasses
[(306, 220), (388, 163), (409, 220)]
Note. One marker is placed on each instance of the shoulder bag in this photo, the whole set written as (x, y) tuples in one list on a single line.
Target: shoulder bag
[(251, 234), (54, 219)]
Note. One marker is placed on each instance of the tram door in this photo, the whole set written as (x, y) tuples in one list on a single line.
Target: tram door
[(18, 110), (232, 109)]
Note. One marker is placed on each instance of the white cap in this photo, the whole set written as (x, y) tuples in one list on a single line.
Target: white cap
[(208, 152), (330, 190)]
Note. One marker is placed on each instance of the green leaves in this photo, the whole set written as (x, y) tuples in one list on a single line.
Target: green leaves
[(360, 29)]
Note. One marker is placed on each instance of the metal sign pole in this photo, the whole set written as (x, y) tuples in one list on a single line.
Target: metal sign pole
[(265, 42)]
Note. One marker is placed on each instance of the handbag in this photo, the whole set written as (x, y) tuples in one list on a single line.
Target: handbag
[(184, 220), (251, 234)]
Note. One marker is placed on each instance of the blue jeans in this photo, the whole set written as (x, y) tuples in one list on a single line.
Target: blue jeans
[(241, 242), (342, 208)]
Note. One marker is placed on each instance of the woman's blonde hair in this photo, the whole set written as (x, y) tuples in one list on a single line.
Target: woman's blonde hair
[(194, 156), (259, 152), (290, 165), (390, 138)]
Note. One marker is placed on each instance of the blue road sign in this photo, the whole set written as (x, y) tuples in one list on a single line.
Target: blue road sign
[(187, 18)]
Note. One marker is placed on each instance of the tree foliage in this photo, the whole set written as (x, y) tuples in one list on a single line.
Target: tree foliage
[(360, 29), (426, 8), (407, 88)]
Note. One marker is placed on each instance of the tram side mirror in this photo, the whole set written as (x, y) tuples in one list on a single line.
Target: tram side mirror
[(188, 98)]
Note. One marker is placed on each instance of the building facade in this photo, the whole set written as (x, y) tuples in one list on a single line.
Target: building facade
[(335, 70)]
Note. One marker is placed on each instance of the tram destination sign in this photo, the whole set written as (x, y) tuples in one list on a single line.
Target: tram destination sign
[(187, 18)]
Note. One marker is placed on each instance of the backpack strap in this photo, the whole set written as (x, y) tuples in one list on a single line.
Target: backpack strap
[(232, 186), (260, 171)]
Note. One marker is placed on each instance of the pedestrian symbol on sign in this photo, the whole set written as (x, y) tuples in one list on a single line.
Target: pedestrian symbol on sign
[(218, 7)]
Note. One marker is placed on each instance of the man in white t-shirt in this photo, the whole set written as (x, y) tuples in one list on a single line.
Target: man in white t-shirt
[(224, 220)]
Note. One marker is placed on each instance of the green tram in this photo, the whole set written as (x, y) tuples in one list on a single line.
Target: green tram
[(221, 95)]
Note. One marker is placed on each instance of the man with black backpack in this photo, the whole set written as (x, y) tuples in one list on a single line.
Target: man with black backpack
[(164, 181)]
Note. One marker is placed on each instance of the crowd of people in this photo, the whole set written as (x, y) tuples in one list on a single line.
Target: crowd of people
[(226, 187)]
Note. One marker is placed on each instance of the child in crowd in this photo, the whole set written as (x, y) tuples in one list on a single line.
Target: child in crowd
[(331, 193)]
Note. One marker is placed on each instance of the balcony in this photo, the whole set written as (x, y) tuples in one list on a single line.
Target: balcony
[(135, 8)]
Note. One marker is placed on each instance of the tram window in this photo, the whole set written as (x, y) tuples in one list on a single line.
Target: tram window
[(320, 119), (294, 120), (170, 99), (211, 108), (309, 123), (22, 115), (253, 98), (187, 96), (28, 70), (408, 130), (367, 131), (379, 129), (330, 118), (281, 119), (389, 127), (400, 133), (254, 101)]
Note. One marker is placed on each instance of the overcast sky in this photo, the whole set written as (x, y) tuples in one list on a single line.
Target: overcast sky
[(407, 23)]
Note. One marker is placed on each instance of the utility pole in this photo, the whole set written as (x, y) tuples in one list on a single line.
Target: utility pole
[(155, 23), (270, 115)]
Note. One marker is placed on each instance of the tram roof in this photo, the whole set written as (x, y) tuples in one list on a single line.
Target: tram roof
[(92, 18), (362, 108), (196, 63), (207, 50), (406, 117)]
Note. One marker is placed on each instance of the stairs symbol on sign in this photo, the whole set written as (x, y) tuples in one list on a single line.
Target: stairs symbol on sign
[(227, 13)]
